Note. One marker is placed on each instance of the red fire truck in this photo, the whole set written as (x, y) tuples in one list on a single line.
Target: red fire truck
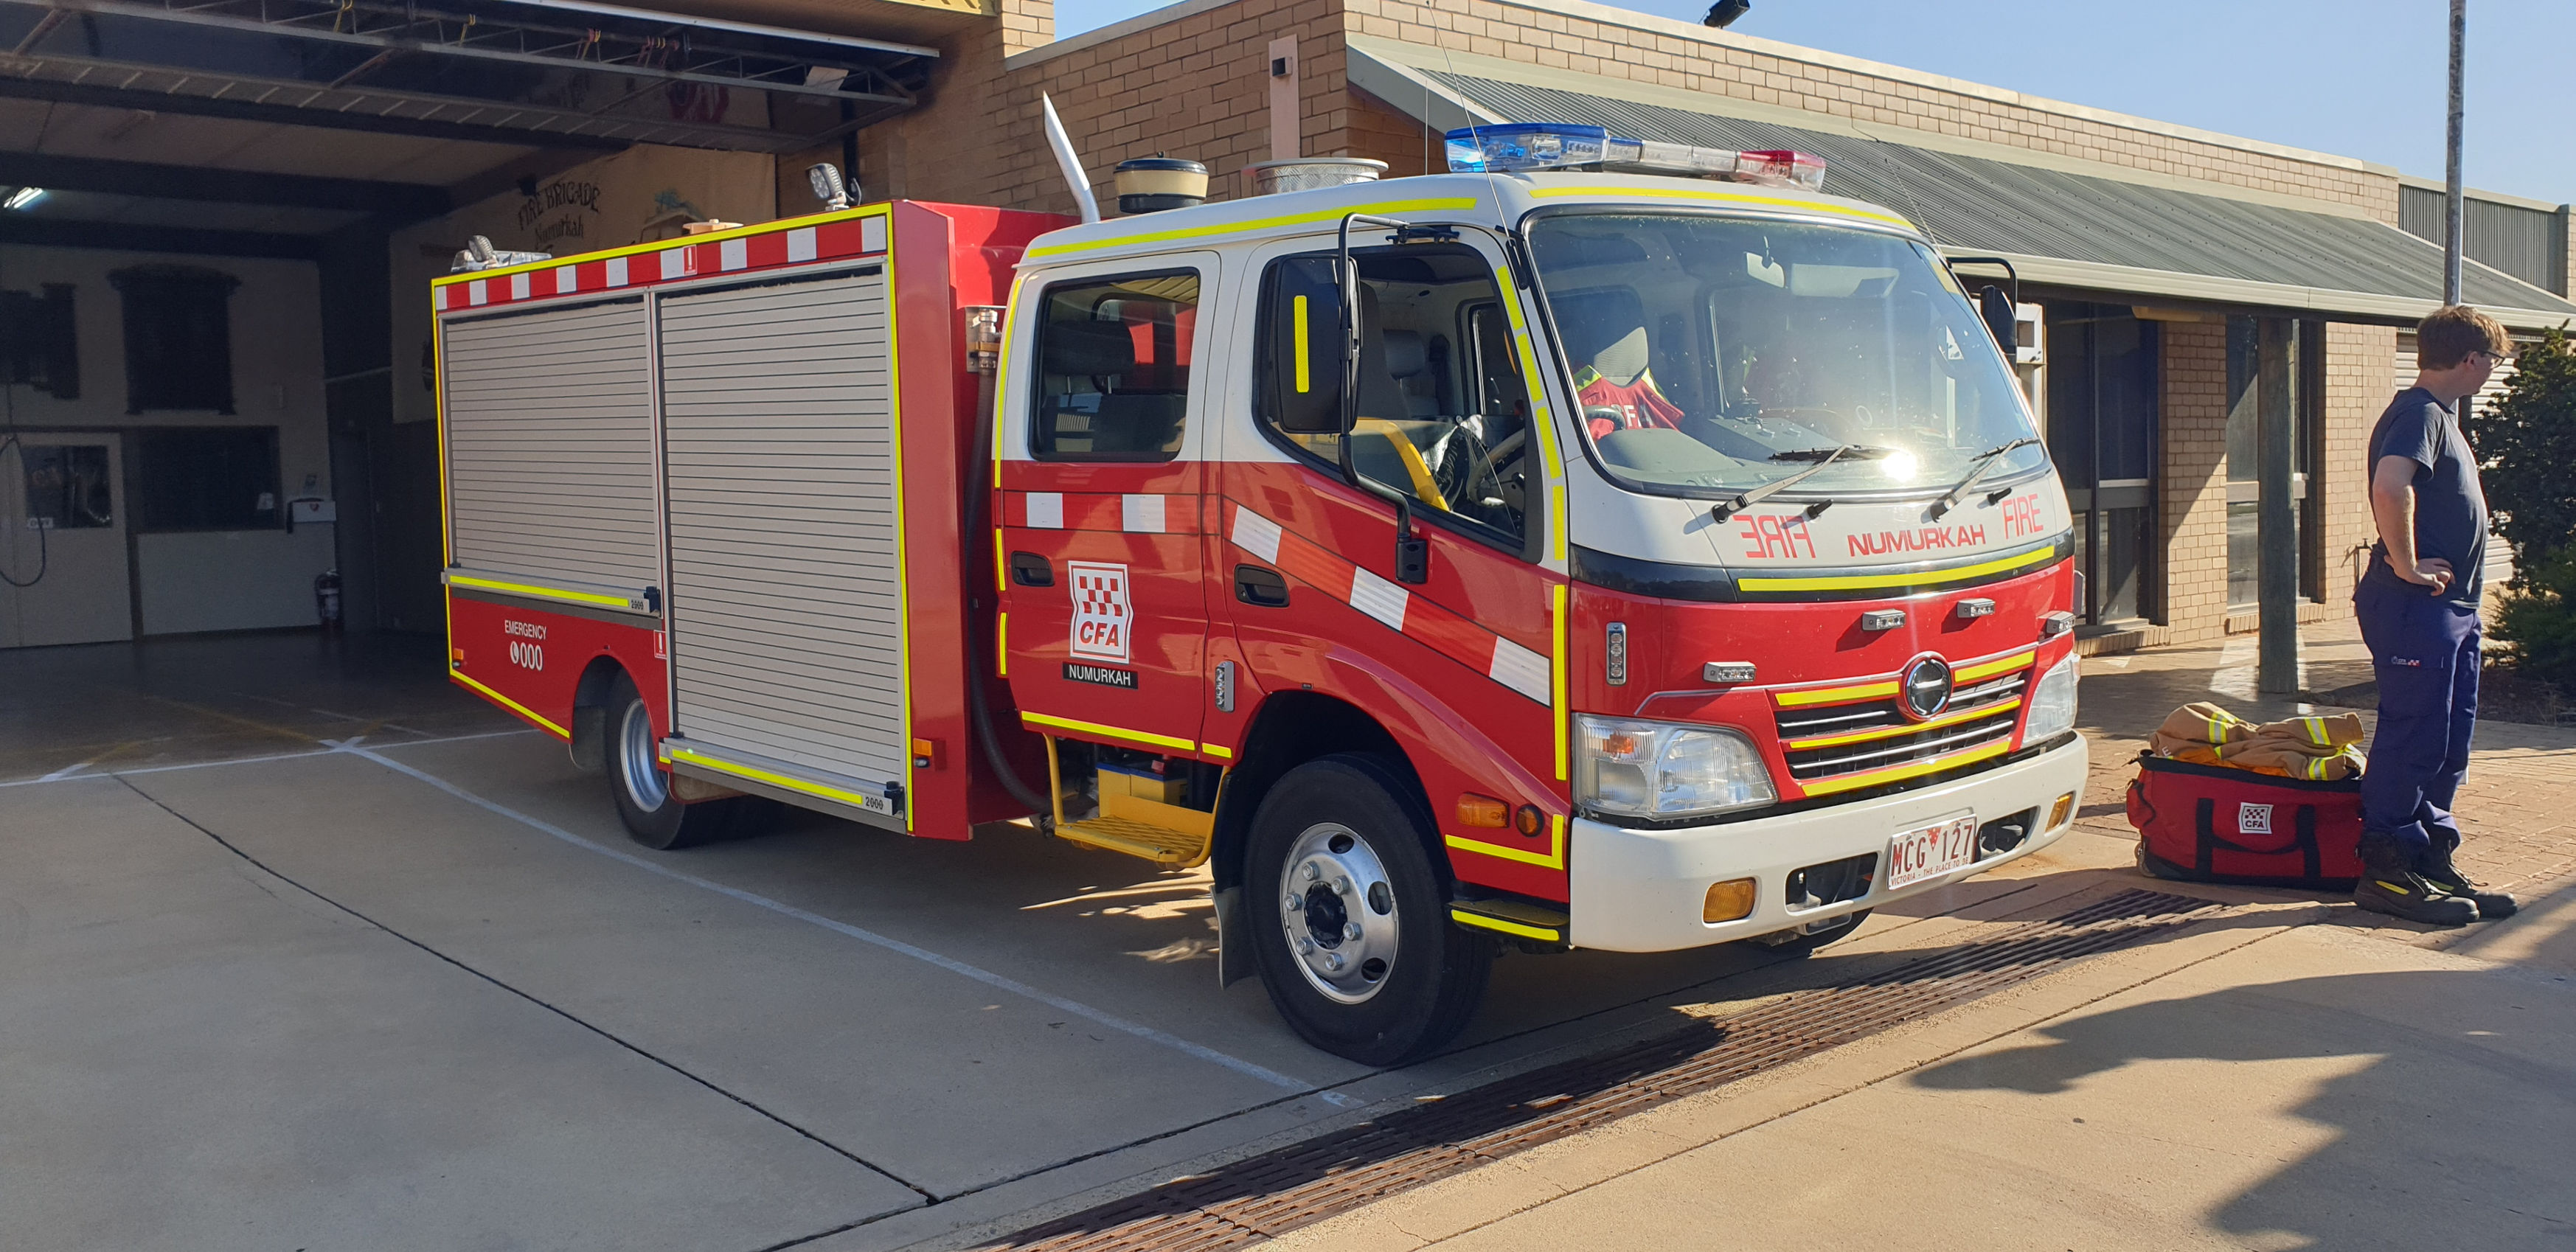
[(1531, 555)]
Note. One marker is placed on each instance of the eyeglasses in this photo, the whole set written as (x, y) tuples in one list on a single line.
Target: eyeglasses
[(2492, 358)]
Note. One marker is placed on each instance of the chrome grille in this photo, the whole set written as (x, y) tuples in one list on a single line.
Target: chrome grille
[(1985, 712)]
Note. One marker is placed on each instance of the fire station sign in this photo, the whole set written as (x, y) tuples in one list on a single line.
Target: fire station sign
[(1101, 617)]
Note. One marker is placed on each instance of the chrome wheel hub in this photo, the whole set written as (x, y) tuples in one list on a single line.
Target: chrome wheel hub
[(1339, 912), (637, 770)]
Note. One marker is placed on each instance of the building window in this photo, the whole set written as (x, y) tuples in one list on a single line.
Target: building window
[(207, 478), (2103, 368), (67, 487), (37, 343), (1114, 368), (2244, 490), (178, 337)]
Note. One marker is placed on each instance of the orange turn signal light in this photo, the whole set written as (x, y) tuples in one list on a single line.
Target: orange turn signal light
[(1727, 901), (1529, 821), (1485, 811), (2063, 809)]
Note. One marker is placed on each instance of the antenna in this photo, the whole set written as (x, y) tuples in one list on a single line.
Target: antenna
[(1065, 160)]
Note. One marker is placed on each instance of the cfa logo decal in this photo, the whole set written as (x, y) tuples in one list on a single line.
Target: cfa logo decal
[(2254, 819), (1101, 618)]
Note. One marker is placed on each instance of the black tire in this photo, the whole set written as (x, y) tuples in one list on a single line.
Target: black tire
[(1843, 927), (1350, 818), (641, 788)]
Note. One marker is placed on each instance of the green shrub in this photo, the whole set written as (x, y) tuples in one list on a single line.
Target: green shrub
[(2538, 616), (2527, 442)]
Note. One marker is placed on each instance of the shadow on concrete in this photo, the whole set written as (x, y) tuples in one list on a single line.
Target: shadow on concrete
[(2457, 1132)]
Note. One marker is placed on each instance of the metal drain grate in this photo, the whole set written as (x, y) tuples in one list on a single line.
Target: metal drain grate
[(1254, 1199)]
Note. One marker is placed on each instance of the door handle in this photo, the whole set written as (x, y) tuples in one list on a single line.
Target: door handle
[(1028, 569), (1256, 585)]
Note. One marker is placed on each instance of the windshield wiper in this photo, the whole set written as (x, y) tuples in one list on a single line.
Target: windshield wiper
[(1976, 471), (1856, 451), (1826, 457)]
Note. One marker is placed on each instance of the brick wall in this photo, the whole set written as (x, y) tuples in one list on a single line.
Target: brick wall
[(1589, 39), (1194, 87), (2358, 385), (2193, 517)]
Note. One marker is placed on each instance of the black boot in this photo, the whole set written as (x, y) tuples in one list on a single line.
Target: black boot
[(2389, 884), (2435, 867)]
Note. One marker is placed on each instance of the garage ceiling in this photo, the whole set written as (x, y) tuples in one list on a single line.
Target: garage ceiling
[(254, 126)]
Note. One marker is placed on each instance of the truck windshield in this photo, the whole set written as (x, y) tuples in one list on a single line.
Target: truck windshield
[(1712, 355)]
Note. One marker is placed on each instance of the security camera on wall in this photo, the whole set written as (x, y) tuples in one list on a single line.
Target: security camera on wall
[(835, 191)]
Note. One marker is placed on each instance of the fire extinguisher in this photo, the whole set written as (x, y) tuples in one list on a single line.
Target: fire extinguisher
[(326, 598)]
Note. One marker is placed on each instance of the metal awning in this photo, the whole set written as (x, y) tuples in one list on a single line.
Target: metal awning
[(546, 72), (2060, 228)]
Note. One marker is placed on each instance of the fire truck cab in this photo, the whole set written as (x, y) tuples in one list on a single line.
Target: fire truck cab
[(1507, 557)]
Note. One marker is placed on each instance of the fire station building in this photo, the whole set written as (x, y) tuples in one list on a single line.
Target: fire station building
[(216, 312)]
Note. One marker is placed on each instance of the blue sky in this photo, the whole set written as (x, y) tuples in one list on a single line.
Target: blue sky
[(2363, 78)]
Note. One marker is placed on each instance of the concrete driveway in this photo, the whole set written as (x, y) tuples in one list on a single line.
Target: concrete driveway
[(300, 948)]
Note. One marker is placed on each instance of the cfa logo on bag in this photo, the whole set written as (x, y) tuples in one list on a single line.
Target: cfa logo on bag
[(1101, 620), (2254, 819)]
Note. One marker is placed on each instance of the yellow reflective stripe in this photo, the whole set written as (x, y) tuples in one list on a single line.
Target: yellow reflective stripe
[(1534, 386), (1827, 786), (1002, 370), (1463, 917), (1553, 859), (1219, 751), (1114, 732), (1001, 645), (543, 593), (1267, 223), (902, 523), (1988, 669), (1732, 197), (1857, 582), (1833, 695), (2316, 730), (855, 799), (2217, 732), (665, 245), (1558, 704), (1297, 316), (512, 705), (1907, 728)]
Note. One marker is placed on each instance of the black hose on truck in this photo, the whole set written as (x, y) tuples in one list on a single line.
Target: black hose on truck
[(977, 476)]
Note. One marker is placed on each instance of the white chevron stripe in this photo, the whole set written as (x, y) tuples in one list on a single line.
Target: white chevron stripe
[(1256, 534), (1046, 510), (1520, 669), (1378, 598), (1141, 514)]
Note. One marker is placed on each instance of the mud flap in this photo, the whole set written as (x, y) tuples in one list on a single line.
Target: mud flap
[(1233, 946)]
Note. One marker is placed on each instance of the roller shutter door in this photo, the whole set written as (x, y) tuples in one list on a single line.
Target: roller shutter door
[(786, 636), (550, 445)]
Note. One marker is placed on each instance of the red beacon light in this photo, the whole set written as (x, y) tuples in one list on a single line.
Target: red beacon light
[(1522, 146)]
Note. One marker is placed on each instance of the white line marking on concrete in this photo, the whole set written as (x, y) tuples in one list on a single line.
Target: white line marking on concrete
[(59, 776), (890, 944), (69, 770)]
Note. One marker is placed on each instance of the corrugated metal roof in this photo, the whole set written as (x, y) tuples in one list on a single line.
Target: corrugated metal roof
[(1978, 205)]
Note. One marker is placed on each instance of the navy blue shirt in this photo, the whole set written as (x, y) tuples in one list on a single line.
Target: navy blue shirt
[(2450, 506)]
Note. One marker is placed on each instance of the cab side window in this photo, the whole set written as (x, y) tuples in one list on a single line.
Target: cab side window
[(1442, 412), (1113, 374)]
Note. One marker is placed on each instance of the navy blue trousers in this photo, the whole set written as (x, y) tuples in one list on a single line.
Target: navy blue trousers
[(2425, 653)]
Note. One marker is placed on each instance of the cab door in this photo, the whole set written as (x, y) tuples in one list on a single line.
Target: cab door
[(1105, 631)]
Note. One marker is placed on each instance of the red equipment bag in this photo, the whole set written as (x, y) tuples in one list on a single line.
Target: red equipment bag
[(2213, 823)]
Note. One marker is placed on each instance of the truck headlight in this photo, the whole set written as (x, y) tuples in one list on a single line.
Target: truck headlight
[(2052, 703), (1660, 770)]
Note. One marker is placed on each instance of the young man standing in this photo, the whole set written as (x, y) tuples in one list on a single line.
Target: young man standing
[(2418, 607)]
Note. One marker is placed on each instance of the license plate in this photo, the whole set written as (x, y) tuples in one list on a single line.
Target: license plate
[(1931, 851)]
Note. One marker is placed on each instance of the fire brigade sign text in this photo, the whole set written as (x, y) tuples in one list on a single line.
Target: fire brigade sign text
[(1101, 620)]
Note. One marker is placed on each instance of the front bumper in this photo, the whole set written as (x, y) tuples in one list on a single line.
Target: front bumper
[(1642, 890)]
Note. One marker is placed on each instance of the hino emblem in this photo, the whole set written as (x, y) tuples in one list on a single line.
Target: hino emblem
[(1923, 690)]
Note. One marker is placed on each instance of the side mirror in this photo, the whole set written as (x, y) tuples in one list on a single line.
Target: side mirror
[(1306, 374), (1997, 308)]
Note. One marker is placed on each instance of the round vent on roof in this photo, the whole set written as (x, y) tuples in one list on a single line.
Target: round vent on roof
[(1308, 173), (1155, 183)]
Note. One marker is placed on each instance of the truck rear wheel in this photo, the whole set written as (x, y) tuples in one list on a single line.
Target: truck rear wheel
[(1349, 920), (642, 788)]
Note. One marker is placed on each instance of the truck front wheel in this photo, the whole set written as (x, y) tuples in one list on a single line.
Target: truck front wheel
[(1349, 919), (642, 788)]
